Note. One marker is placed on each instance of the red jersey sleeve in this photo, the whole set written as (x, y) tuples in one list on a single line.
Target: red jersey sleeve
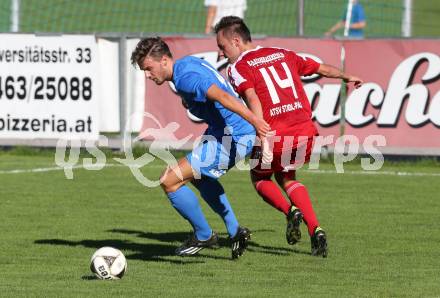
[(241, 77), (305, 66)]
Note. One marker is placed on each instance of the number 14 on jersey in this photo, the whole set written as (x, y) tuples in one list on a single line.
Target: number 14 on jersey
[(283, 83)]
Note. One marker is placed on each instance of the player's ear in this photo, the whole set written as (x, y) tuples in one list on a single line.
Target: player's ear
[(236, 40), (164, 60)]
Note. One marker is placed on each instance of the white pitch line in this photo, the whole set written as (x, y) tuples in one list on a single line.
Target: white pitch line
[(40, 170), (385, 173)]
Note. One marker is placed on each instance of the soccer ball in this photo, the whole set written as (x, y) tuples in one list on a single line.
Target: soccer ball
[(108, 263)]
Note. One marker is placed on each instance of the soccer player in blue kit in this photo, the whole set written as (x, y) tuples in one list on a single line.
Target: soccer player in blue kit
[(209, 97)]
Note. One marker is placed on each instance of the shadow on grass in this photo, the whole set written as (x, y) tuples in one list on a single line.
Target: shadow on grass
[(223, 241), (163, 237), (89, 277), (152, 252), (272, 250)]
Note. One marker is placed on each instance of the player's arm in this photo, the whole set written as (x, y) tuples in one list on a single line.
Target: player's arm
[(358, 25), (211, 10), (334, 28), (330, 71), (246, 88), (253, 102), (231, 103)]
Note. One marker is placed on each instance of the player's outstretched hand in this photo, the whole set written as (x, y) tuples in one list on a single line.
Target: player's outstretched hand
[(261, 127), (357, 81)]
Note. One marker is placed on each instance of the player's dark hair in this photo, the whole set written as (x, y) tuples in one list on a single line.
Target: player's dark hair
[(154, 47), (233, 24)]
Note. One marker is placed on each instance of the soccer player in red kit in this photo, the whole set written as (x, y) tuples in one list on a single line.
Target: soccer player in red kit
[(268, 79)]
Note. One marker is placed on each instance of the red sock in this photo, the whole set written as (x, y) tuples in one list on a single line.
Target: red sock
[(300, 198), (272, 194)]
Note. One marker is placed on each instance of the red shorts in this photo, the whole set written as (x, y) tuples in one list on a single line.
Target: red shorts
[(301, 130), (283, 161)]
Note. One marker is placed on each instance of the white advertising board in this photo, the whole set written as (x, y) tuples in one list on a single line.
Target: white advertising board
[(49, 86)]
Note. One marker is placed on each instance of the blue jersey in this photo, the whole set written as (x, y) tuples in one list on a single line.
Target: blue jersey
[(357, 15), (192, 78)]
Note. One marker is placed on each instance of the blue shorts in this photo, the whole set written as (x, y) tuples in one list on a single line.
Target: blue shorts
[(213, 158)]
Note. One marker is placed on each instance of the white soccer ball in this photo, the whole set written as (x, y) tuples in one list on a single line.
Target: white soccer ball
[(108, 263)]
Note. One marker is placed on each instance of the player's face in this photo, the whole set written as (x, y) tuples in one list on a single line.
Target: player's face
[(154, 69), (229, 46)]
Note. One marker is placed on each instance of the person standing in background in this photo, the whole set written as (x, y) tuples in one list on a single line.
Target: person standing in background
[(357, 22), (216, 9)]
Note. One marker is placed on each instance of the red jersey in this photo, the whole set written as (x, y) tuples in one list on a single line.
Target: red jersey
[(275, 74)]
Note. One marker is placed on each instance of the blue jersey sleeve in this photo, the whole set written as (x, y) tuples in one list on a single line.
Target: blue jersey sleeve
[(193, 83), (358, 14)]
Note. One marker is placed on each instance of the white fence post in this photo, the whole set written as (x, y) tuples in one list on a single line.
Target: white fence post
[(122, 88), (348, 17), (407, 18), (15, 16)]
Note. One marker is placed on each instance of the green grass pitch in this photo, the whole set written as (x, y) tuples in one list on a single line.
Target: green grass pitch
[(382, 231)]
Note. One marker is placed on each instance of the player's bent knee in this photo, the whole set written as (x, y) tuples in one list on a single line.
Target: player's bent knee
[(166, 183), (256, 177), (255, 181), (168, 187), (285, 178)]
